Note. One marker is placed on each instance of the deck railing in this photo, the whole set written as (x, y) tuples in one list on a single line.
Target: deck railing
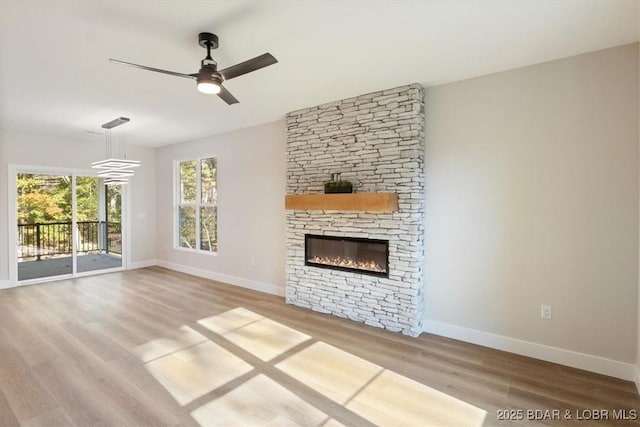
[(39, 240)]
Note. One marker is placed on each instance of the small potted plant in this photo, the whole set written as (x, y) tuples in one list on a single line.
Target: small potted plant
[(332, 187)]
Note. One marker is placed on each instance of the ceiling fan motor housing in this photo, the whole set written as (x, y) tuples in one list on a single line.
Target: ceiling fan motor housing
[(208, 74), (208, 39)]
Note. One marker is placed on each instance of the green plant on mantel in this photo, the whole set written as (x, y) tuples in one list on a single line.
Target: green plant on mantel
[(338, 187), (338, 184)]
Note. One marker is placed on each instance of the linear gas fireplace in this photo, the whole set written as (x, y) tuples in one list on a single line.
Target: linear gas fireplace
[(364, 256)]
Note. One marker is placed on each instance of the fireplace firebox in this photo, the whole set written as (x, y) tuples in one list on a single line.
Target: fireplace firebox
[(364, 256)]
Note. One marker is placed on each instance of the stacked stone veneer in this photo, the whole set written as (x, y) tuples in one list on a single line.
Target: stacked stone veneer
[(375, 141)]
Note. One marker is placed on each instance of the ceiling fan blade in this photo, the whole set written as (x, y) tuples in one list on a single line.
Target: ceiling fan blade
[(157, 70), (248, 66), (227, 97)]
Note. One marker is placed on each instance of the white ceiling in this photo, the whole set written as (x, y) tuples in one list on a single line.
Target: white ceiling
[(55, 76)]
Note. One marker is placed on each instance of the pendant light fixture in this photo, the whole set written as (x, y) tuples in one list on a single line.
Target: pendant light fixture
[(116, 168)]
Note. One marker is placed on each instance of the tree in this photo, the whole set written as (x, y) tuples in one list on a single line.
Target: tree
[(38, 208), (47, 198), (86, 198), (43, 198), (190, 208)]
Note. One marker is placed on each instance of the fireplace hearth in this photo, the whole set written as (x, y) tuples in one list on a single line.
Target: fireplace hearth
[(357, 255)]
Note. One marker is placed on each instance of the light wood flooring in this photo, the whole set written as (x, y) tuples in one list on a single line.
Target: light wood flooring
[(152, 347)]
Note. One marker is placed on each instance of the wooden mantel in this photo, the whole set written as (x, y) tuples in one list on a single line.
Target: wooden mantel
[(369, 202)]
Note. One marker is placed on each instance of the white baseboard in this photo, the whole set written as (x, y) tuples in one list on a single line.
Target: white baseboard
[(6, 284), (142, 264), (600, 365), (637, 381), (232, 280)]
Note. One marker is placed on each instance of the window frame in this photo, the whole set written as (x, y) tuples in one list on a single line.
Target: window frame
[(197, 205)]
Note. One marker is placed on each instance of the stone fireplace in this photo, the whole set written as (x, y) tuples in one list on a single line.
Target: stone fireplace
[(363, 265)]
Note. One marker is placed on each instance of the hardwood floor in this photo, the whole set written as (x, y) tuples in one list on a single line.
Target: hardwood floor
[(153, 347)]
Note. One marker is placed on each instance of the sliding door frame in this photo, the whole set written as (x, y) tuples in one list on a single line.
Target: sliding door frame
[(12, 220)]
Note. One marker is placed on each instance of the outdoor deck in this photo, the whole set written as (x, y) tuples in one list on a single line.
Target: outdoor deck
[(57, 266)]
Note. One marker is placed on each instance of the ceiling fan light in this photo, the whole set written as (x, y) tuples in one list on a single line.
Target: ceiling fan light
[(209, 87)]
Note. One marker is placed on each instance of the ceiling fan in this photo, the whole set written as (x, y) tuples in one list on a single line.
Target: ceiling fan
[(209, 78)]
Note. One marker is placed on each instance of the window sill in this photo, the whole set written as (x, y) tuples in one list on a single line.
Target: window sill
[(195, 251)]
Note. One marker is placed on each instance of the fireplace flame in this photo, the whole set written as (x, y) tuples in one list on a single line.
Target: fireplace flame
[(349, 263)]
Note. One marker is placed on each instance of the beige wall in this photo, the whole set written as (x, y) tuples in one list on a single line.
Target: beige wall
[(251, 215), (32, 149), (532, 198), (638, 326)]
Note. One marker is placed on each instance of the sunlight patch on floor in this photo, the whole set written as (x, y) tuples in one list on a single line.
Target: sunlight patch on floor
[(332, 423), (259, 402), (377, 395), (196, 371), (394, 400), (230, 320), (184, 337), (189, 365), (262, 337), (332, 372)]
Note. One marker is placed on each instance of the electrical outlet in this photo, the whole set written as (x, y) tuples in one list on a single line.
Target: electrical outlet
[(545, 311), (253, 261)]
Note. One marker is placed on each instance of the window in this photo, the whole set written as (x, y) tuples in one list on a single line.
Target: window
[(196, 208)]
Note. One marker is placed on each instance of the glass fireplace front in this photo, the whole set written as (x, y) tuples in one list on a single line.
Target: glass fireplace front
[(364, 256)]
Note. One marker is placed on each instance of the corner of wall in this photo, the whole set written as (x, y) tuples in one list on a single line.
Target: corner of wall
[(142, 264), (637, 377), (4, 243)]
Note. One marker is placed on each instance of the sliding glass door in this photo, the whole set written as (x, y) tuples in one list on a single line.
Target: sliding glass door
[(98, 241), (66, 225), (45, 236)]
